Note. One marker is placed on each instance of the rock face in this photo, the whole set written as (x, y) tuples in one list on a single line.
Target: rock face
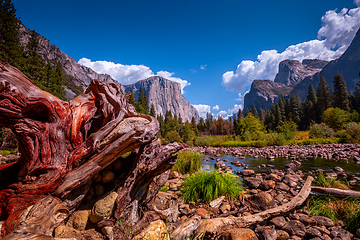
[(302, 74), (165, 95), (80, 75), (292, 71), (263, 93)]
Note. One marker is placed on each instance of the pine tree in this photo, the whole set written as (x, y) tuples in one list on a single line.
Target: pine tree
[(10, 48), (142, 105), (261, 115), (311, 94), (341, 96), (132, 98), (152, 110), (255, 112), (323, 98), (295, 108)]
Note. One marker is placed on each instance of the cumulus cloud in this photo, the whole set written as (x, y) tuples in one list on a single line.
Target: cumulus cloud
[(216, 108), (202, 109), (222, 113), (128, 74), (169, 75), (357, 2), (337, 31)]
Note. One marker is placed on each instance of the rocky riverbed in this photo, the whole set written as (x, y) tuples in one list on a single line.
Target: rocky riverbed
[(265, 190)]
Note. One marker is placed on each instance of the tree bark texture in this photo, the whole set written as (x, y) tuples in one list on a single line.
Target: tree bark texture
[(63, 145)]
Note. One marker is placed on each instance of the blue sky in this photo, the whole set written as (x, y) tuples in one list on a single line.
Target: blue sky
[(213, 48)]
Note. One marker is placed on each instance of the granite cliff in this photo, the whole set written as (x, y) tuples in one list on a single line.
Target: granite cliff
[(291, 73), (297, 77), (165, 95)]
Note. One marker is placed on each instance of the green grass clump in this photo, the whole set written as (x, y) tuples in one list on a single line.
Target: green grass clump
[(208, 186), (164, 188), (188, 162), (323, 181), (347, 210)]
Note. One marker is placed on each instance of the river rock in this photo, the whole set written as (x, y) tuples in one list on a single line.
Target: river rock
[(282, 186), (238, 234), (247, 172), (295, 227), (267, 184), (266, 233), (202, 212), (80, 219), (323, 221), (217, 202), (263, 200), (282, 235), (340, 233), (220, 164), (67, 232), (155, 231), (313, 232), (225, 207), (107, 176), (253, 182), (279, 221), (103, 208)]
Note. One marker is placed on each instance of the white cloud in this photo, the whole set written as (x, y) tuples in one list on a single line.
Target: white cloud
[(333, 38), (216, 108), (169, 75), (202, 109), (203, 67), (357, 2), (128, 74), (222, 113)]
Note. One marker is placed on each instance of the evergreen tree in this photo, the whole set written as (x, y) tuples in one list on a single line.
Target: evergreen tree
[(10, 48), (357, 98), (261, 115), (142, 105), (239, 115), (341, 96), (152, 110), (193, 125), (255, 112), (311, 94), (132, 98), (323, 98), (295, 108)]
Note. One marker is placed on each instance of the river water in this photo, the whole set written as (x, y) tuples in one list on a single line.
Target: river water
[(351, 168)]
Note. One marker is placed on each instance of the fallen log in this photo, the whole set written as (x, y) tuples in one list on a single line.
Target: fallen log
[(336, 192), (65, 145), (213, 227)]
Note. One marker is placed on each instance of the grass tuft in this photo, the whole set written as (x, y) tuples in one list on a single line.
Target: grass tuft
[(207, 186), (323, 181), (188, 162), (347, 210)]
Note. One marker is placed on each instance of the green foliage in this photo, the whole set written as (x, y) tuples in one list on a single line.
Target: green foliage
[(347, 210), (250, 126), (172, 136), (323, 97), (341, 96), (287, 129), (335, 118), (328, 182), (207, 186), (164, 188), (188, 162), (8, 139), (343, 136), (142, 106), (353, 129), (321, 131)]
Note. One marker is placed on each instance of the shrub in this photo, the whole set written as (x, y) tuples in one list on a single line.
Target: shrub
[(287, 129), (188, 162), (172, 136), (321, 131), (353, 129), (208, 186), (252, 125), (343, 136), (335, 118)]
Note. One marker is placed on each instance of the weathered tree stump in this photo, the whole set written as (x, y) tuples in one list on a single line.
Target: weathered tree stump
[(63, 145)]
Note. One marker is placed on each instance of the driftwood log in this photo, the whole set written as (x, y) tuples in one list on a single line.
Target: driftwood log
[(336, 192), (211, 228), (63, 145)]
